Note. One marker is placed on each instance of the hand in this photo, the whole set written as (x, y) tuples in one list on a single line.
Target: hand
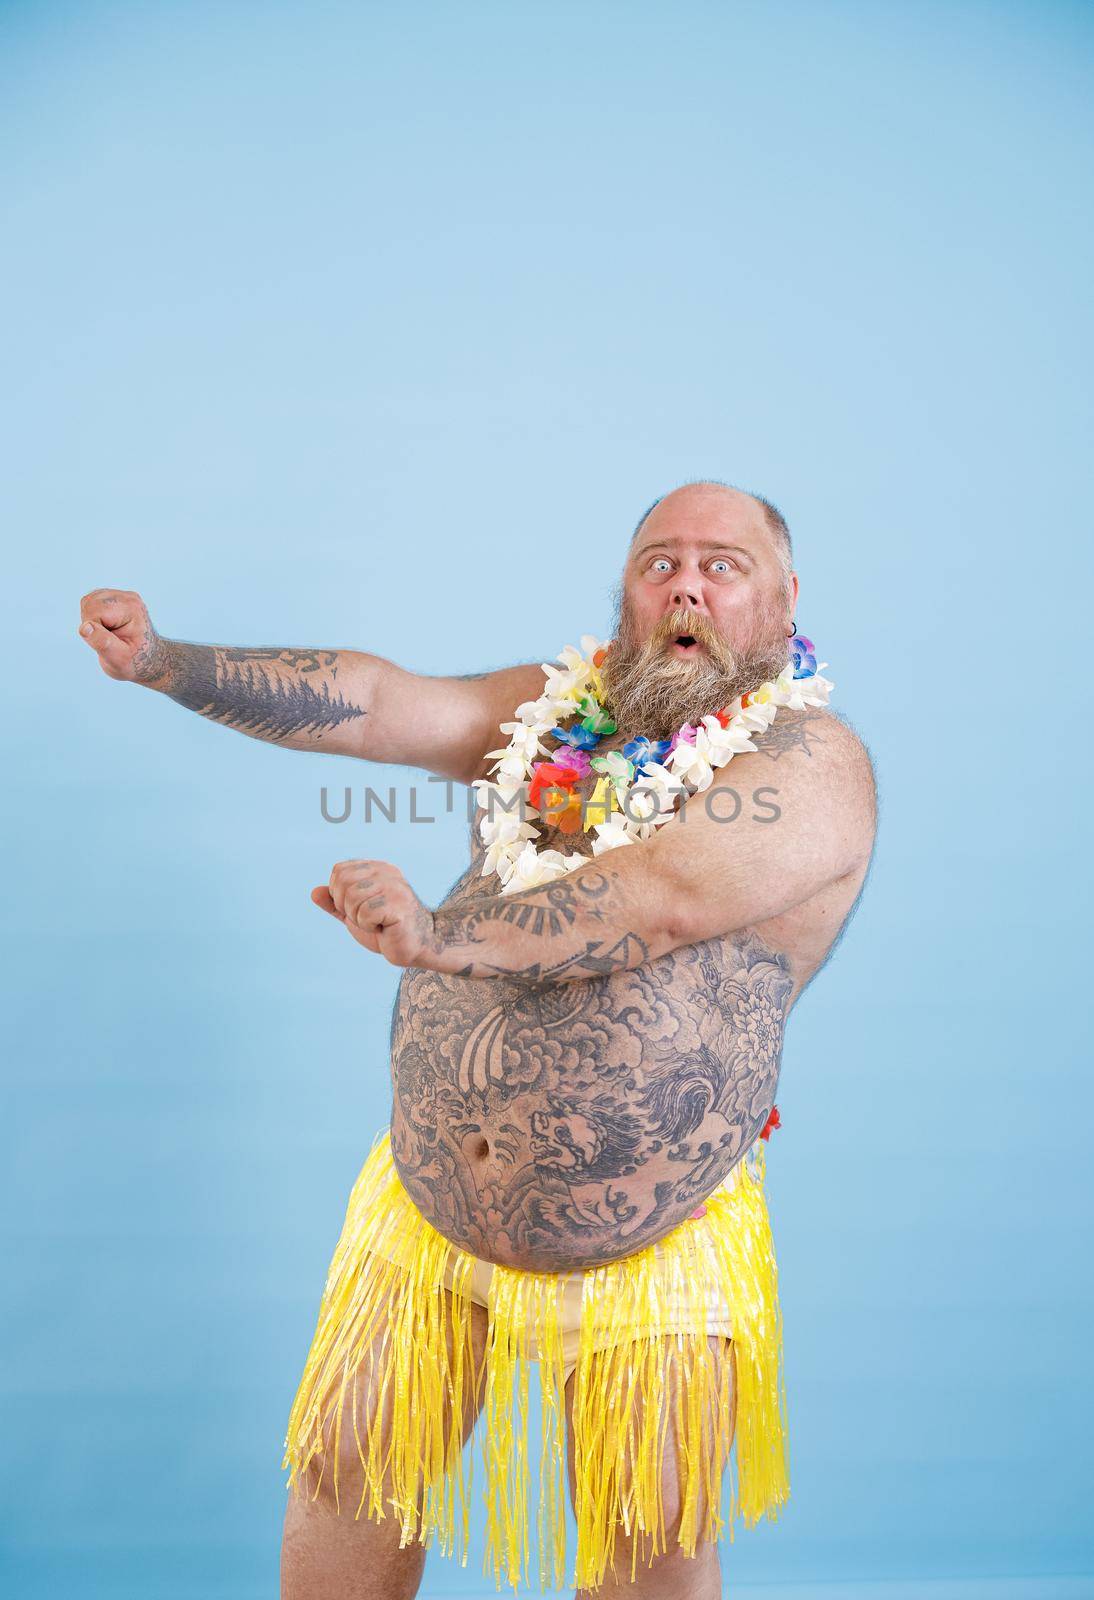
[(116, 624), (379, 908)]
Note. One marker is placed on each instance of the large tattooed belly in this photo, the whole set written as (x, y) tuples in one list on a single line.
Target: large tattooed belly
[(557, 1126)]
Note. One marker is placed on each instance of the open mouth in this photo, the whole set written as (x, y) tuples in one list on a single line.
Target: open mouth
[(686, 643)]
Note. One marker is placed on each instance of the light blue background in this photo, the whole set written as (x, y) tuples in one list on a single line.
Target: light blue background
[(378, 326)]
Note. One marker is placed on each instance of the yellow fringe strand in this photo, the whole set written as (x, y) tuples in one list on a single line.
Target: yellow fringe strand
[(645, 1369)]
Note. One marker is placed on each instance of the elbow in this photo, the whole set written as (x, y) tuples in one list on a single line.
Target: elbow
[(675, 900), (679, 921)]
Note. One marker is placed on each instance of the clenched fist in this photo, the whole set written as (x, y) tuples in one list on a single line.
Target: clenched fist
[(379, 908), (116, 624)]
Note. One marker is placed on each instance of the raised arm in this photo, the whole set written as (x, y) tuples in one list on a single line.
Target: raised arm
[(343, 702), (723, 866), (719, 868)]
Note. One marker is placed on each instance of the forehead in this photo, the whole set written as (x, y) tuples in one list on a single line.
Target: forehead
[(708, 518)]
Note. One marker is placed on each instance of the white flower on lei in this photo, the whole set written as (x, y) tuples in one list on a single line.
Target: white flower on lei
[(580, 659), (610, 835), (758, 718), (529, 869), (499, 803), (812, 691), (524, 741), (507, 839), (511, 771), (531, 712), (564, 688), (691, 763), (656, 789), (568, 678), (725, 743)]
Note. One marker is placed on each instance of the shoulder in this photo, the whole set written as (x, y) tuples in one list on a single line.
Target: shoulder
[(816, 731), (814, 742), (813, 771)]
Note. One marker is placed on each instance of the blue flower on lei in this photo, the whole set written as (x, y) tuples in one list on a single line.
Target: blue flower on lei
[(643, 750), (802, 658), (577, 737)]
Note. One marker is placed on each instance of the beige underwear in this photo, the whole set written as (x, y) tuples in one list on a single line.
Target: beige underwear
[(680, 1317)]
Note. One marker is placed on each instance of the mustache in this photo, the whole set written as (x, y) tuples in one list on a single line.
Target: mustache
[(693, 623)]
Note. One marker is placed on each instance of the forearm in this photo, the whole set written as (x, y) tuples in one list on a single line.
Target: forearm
[(302, 699), (601, 918)]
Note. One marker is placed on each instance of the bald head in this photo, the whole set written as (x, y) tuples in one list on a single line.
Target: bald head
[(704, 494)]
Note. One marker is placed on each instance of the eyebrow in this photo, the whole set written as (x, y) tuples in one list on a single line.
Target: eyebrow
[(705, 544)]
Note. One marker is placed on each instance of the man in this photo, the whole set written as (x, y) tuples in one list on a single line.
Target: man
[(582, 1071)]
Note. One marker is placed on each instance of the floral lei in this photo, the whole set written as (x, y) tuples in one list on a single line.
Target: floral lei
[(637, 788)]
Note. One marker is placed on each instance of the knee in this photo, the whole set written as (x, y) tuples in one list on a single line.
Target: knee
[(349, 1473), (682, 1519), (643, 1548), (322, 1553), (635, 1570), (672, 1539)]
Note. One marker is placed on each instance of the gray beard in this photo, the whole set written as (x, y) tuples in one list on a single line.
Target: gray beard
[(656, 694)]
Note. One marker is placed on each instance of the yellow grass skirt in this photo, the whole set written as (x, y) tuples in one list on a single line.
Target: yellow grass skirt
[(385, 1324)]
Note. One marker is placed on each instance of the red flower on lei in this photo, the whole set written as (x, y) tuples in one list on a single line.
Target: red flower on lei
[(548, 775), (774, 1121)]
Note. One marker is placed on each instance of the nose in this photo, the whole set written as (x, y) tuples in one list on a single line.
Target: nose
[(685, 596)]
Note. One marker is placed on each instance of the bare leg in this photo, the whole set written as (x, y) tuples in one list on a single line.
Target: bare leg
[(671, 1575), (331, 1555)]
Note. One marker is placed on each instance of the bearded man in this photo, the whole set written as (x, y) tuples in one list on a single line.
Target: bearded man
[(583, 1070)]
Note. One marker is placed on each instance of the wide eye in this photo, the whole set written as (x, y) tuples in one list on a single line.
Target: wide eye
[(721, 567), (661, 564)]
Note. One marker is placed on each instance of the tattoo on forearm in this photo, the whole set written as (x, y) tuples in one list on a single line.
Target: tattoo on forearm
[(251, 690), (545, 912), (629, 951), (549, 913), (594, 960)]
